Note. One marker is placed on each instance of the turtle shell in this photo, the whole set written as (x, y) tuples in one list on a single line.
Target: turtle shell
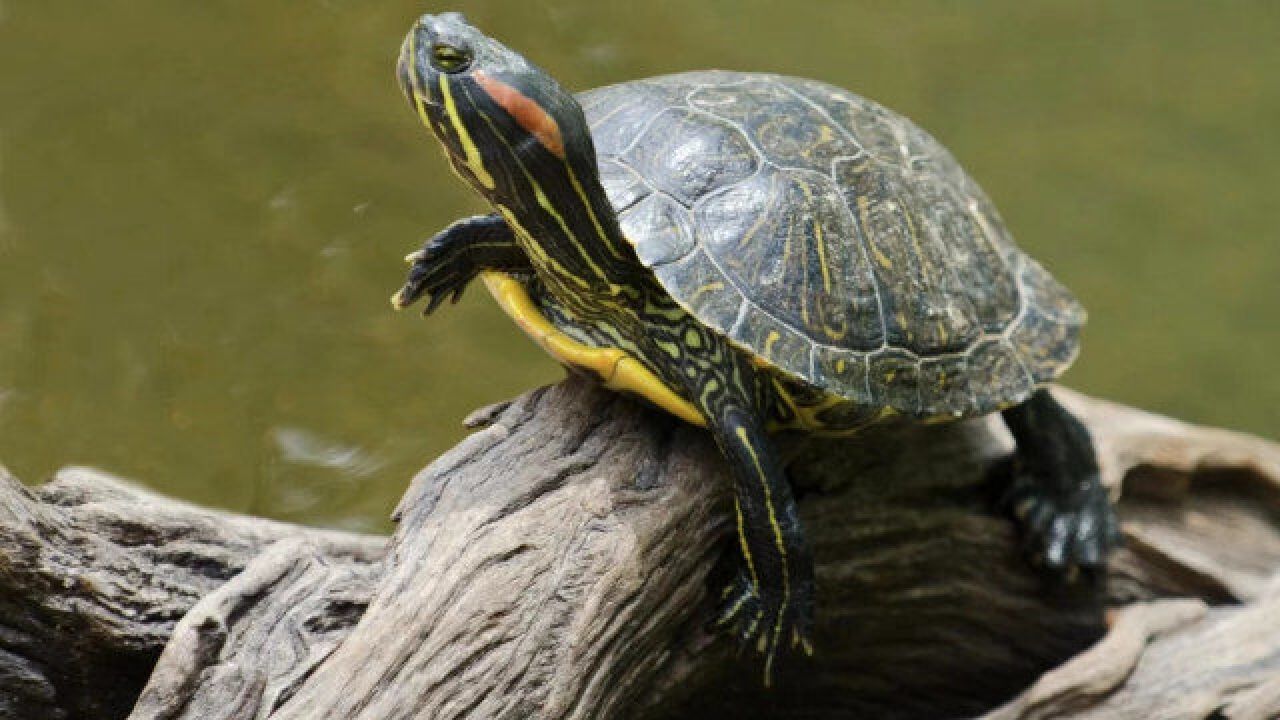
[(832, 238)]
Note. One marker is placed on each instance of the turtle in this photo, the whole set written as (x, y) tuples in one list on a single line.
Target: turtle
[(755, 253)]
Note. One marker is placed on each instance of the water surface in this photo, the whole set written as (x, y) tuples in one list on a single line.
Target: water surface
[(203, 208)]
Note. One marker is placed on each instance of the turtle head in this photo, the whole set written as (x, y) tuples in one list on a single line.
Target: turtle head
[(521, 141), (497, 115)]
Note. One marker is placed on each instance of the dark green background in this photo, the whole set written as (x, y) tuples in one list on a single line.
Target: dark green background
[(203, 208)]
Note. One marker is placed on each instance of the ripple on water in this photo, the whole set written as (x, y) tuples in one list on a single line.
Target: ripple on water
[(317, 478), (298, 446)]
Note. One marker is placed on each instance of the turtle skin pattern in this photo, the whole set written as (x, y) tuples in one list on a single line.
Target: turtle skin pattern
[(831, 238)]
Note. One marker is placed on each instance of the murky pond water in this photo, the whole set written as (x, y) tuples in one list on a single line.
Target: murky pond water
[(203, 208)]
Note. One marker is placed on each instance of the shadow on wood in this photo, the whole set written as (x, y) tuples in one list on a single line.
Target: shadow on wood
[(558, 564)]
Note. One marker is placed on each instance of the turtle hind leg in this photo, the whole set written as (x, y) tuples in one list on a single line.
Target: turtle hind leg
[(1054, 491), (769, 603)]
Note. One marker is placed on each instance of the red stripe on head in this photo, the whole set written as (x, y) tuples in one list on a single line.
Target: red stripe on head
[(527, 113)]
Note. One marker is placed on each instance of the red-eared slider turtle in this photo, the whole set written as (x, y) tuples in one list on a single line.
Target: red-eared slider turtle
[(754, 252)]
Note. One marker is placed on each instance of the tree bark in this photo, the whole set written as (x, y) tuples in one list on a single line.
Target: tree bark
[(560, 563)]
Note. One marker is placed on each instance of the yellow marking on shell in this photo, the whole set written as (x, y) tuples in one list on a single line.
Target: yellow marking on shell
[(751, 232), (474, 162), (881, 258), (824, 267), (769, 341), (617, 369), (822, 256), (833, 333), (915, 241), (709, 287), (821, 243), (841, 365)]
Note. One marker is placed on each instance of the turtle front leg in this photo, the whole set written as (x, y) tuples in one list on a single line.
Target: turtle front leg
[(452, 258), (1055, 492), (770, 600)]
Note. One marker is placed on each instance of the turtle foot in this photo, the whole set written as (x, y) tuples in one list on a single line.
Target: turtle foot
[(1064, 531), (439, 270), (765, 622)]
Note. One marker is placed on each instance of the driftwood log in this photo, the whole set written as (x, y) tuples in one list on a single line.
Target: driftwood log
[(559, 563)]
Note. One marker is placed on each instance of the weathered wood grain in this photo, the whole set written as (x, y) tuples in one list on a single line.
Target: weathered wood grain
[(94, 574), (559, 564)]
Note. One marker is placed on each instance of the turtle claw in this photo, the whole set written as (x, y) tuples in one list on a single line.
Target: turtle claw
[(1066, 532), (758, 621), (437, 272), (801, 642)]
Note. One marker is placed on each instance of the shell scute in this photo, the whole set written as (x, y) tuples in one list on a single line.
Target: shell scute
[(688, 155), (623, 186), (894, 378), (997, 377), (838, 367), (770, 339), (715, 301), (944, 386), (981, 272), (738, 102), (618, 114), (924, 309), (665, 226)]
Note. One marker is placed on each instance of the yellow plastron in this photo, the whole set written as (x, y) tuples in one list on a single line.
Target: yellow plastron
[(613, 366)]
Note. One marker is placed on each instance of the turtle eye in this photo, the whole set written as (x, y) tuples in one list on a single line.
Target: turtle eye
[(450, 59)]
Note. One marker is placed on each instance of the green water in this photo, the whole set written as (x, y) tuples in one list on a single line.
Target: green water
[(203, 208)]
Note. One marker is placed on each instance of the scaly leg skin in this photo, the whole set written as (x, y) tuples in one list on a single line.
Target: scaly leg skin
[(1055, 492), (453, 257), (770, 601)]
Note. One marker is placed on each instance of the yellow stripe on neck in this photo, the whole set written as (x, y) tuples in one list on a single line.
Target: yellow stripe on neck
[(613, 366), (474, 162)]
